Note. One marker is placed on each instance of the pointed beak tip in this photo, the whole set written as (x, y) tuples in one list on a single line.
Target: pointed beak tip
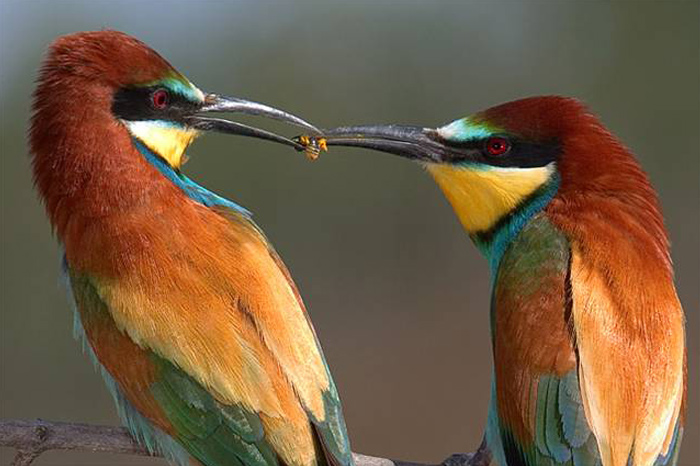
[(412, 142), (223, 104), (218, 103)]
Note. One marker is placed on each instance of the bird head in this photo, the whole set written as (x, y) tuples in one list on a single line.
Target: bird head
[(111, 79), (500, 166)]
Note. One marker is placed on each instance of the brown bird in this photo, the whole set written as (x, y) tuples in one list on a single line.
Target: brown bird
[(192, 317), (587, 330)]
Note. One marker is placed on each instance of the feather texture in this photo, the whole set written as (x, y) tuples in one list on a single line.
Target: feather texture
[(213, 356), (189, 312), (541, 419), (587, 323)]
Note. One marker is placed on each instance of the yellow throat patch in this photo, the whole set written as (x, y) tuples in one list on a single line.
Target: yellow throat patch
[(169, 142), (482, 196)]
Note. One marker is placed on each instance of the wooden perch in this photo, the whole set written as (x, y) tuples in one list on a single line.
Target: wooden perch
[(32, 438)]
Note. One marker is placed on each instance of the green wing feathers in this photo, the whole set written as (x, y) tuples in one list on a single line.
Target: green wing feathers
[(164, 398), (562, 435), (541, 416), (215, 434)]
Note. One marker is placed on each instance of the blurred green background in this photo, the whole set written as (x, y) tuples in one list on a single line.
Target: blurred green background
[(396, 291)]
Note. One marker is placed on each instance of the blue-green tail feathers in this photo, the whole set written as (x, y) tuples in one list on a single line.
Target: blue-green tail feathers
[(561, 436)]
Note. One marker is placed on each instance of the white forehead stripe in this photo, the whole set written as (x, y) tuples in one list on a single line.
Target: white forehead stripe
[(464, 130), (198, 92)]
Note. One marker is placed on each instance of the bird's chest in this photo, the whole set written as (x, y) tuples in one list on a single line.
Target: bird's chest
[(531, 305), (530, 314)]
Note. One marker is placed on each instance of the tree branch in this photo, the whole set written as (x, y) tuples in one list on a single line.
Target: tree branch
[(32, 438)]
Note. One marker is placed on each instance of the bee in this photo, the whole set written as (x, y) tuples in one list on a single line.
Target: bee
[(313, 146)]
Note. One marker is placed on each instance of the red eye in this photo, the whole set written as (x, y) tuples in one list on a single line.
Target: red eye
[(160, 99), (497, 146)]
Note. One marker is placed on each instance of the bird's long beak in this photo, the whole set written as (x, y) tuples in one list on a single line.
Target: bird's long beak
[(413, 142), (217, 103)]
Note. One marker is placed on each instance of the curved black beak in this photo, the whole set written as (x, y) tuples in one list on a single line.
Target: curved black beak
[(217, 103), (413, 142)]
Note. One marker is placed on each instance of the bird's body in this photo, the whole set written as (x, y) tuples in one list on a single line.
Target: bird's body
[(587, 330), (187, 309)]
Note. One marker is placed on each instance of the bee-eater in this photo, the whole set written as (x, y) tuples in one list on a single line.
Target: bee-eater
[(188, 311), (587, 331)]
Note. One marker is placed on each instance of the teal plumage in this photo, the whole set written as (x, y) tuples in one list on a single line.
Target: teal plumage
[(532, 272)]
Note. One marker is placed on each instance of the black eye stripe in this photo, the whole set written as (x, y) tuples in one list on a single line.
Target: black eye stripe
[(521, 153), (469, 144), (526, 154), (136, 103)]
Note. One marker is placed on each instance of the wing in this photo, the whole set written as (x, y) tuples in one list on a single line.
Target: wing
[(582, 377), (217, 348), (631, 360), (627, 320), (331, 427), (541, 419), (155, 397)]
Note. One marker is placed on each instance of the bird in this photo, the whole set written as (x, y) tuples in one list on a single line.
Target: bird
[(180, 300), (587, 330)]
